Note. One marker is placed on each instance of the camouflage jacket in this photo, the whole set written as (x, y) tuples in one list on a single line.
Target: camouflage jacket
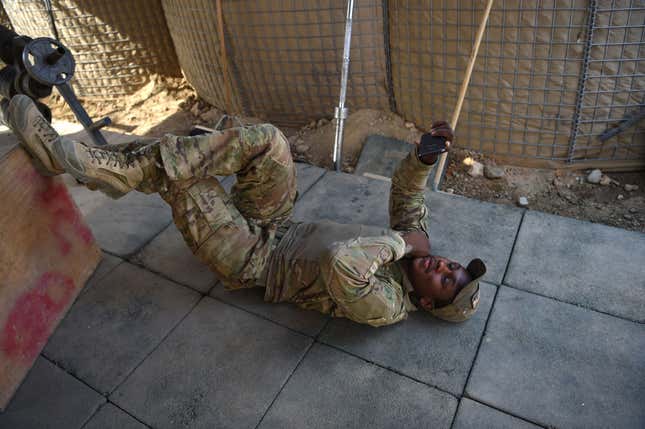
[(351, 270)]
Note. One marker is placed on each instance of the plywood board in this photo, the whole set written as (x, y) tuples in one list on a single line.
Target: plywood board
[(47, 252)]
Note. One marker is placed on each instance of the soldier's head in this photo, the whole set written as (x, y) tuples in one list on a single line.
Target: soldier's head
[(445, 288)]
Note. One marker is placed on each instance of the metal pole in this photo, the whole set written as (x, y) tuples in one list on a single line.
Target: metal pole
[(462, 92), (340, 112)]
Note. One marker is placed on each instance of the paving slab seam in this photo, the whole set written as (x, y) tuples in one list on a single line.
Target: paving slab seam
[(508, 413), (304, 355), (80, 380), (107, 401), (144, 244), (387, 368), (575, 304), (170, 331), (510, 255), (479, 344), (315, 182), (263, 317), (490, 312), (134, 261)]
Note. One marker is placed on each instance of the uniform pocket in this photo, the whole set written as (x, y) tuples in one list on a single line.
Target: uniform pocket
[(213, 202)]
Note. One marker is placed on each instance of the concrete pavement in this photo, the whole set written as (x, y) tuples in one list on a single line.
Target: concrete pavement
[(154, 341)]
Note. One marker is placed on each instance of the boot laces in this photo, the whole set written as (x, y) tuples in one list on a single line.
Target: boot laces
[(109, 158), (120, 159), (44, 129)]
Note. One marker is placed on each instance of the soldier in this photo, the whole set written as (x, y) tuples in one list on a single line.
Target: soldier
[(370, 275)]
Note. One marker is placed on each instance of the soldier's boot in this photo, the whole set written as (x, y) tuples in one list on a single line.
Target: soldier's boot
[(115, 172), (35, 134)]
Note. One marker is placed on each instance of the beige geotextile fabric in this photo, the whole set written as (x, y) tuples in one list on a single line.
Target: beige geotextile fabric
[(522, 93), (117, 44), (289, 56), (285, 58), (613, 89), (195, 33)]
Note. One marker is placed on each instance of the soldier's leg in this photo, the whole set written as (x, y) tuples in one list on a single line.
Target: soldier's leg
[(216, 232), (259, 156)]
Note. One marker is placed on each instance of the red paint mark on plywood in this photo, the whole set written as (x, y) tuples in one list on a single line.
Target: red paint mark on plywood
[(32, 317)]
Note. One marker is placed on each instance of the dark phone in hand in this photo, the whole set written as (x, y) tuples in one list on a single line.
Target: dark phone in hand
[(431, 144)]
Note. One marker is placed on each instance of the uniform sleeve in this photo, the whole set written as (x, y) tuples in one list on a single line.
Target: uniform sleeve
[(348, 271), (408, 211)]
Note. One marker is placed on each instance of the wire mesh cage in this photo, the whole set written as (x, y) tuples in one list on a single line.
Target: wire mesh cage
[(611, 99), (522, 95), (117, 45), (197, 34), (288, 57), (284, 58)]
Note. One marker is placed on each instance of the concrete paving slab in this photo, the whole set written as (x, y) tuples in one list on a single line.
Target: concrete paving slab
[(331, 389), (107, 264), (462, 229), (423, 347), (305, 321), (345, 198), (113, 326), (111, 417), (380, 156), (51, 398), (123, 226), (221, 367), (307, 175), (560, 365), (472, 414), (169, 255), (593, 265)]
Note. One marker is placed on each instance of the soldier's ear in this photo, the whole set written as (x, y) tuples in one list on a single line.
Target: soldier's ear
[(426, 303)]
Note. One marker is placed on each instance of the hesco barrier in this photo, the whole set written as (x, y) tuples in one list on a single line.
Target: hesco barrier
[(551, 77), (117, 44), (283, 58)]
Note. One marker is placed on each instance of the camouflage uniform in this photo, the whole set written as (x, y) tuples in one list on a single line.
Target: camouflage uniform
[(246, 238)]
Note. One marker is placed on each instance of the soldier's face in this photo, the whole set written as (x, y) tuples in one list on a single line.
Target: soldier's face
[(436, 279)]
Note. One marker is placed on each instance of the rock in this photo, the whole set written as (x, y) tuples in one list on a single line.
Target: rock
[(312, 124), (322, 122), (630, 188), (633, 209), (195, 109), (594, 176), (476, 169), (620, 197), (301, 149), (409, 125), (627, 216), (523, 201), (450, 191), (605, 180), (492, 172)]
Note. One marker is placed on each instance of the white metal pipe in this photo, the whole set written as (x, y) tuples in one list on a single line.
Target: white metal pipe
[(340, 113)]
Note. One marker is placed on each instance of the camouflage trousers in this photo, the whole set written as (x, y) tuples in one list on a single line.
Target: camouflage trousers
[(234, 234)]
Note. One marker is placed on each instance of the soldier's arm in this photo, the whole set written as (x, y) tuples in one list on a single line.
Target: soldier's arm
[(348, 271), (408, 211)]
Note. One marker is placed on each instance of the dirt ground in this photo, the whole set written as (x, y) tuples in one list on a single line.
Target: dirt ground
[(172, 106)]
